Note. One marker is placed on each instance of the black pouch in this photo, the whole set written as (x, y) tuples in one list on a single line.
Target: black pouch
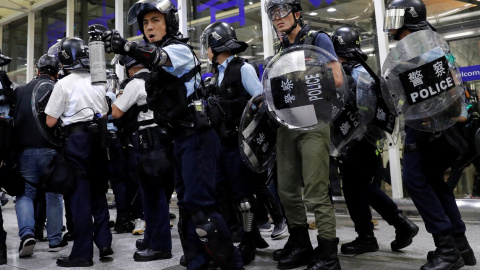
[(200, 117), (103, 131), (215, 112), (59, 176), (12, 180), (6, 131)]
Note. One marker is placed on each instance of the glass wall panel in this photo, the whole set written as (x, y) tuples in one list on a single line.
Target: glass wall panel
[(94, 12), (50, 26), (15, 37), (243, 16)]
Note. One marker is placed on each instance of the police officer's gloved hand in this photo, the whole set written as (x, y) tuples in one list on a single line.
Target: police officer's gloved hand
[(147, 54), (114, 42)]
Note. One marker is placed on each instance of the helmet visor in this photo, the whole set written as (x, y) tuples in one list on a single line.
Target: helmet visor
[(55, 48), (279, 11), (394, 18), (204, 46), (163, 6)]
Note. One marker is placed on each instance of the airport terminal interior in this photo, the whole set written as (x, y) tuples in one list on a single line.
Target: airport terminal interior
[(29, 27)]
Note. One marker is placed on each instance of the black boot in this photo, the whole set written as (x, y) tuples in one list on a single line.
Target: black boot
[(3, 253), (464, 248), (325, 255), (405, 231), (447, 256), (362, 244), (123, 224), (259, 241), (301, 250), (280, 253), (247, 248)]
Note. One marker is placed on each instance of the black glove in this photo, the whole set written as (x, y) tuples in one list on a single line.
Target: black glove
[(114, 42), (147, 54)]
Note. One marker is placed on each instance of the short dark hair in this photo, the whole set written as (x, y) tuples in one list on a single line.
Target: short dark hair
[(47, 70)]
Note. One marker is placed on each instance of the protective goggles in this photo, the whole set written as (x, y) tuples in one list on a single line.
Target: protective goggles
[(394, 18), (279, 11)]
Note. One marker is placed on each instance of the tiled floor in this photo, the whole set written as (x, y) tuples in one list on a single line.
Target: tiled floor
[(124, 246)]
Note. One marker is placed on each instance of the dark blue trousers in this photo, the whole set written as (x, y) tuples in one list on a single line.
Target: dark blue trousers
[(118, 176), (88, 198), (157, 235), (3, 233), (133, 185), (423, 176), (233, 174), (360, 191), (195, 160)]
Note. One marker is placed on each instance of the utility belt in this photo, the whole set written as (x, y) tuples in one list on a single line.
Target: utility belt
[(150, 137), (97, 130), (412, 147)]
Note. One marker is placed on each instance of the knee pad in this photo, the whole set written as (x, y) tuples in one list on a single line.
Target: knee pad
[(214, 239), (246, 205)]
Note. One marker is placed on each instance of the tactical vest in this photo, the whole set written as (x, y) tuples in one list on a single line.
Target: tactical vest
[(128, 123), (233, 97), (167, 94), (305, 36), (6, 89), (348, 66)]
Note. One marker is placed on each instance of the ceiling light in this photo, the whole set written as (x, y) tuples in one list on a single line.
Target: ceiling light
[(461, 34), (313, 14), (332, 9), (448, 12)]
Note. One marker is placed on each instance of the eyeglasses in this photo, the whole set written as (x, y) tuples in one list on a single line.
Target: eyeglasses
[(280, 10)]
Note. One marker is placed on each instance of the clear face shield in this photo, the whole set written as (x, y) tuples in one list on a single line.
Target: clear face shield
[(394, 18), (204, 41), (204, 46), (55, 49), (163, 6)]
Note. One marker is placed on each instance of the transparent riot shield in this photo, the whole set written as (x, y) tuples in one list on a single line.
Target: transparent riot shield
[(40, 96), (423, 82), (257, 135), (300, 88), (348, 127)]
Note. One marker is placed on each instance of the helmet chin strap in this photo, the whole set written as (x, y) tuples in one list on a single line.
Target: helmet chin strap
[(399, 32), (293, 26)]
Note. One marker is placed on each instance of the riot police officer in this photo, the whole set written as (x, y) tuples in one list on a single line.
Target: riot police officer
[(81, 107), (359, 165), (35, 152), (150, 142), (426, 157), (172, 93), (231, 86), (303, 159), (5, 89)]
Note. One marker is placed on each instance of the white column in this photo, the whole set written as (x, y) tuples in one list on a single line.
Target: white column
[(268, 49), (1, 38), (393, 143), (183, 17), (30, 45), (119, 21), (382, 36), (70, 18)]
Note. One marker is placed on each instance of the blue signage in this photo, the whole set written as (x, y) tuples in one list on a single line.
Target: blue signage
[(471, 73), (214, 8)]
